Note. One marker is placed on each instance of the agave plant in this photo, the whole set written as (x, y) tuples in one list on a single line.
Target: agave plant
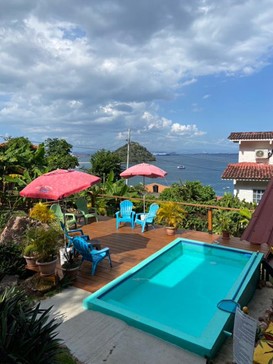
[(28, 333)]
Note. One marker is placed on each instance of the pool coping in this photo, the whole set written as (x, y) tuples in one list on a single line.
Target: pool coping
[(206, 346)]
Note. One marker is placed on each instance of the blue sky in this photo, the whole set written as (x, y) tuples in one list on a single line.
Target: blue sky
[(180, 75)]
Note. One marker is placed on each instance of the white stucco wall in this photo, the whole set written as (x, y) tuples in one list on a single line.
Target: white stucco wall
[(244, 189), (247, 151)]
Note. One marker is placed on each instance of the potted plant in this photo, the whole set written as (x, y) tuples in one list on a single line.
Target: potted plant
[(30, 255), (46, 240), (71, 263), (223, 223), (171, 215)]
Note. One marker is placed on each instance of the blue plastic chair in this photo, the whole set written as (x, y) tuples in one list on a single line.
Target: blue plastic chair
[(147, 219), (88, 253), (78, 232), (126, 213)]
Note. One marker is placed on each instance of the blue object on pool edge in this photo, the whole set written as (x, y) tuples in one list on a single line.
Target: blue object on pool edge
[(228, 305), (189, 295)]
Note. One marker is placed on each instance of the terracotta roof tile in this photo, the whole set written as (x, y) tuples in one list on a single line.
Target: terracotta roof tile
[(256, 135), (248, 171)]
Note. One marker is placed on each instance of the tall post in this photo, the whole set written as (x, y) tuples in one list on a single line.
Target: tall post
[(210, 221), (128, 152)]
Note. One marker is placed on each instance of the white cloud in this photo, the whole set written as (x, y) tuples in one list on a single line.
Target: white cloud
[(190, 130), (78, 69)]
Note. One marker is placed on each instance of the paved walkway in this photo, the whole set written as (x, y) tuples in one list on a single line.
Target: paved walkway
[(95, 338)]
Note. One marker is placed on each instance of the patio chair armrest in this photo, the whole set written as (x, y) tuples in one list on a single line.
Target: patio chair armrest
[(76, 231), (117, 213), (68, 214), (139, 214), (104, 250)]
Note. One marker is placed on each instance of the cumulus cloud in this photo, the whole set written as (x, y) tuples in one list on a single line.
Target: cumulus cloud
[(88, 71)]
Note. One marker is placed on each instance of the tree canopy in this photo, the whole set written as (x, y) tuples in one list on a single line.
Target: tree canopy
[(19, 154), (190, 191), (105, 161), (59, 154)]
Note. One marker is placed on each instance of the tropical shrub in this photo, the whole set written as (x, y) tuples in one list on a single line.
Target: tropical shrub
[(225, 220), (28, 333), (41, 212), (11, 260), (239, 219), (192, 192), (45, 240), (170, 214)]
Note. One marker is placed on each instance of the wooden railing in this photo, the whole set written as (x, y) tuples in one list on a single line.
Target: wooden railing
[(209, 208)]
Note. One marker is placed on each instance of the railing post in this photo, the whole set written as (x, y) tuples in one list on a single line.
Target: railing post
[(210, 221)]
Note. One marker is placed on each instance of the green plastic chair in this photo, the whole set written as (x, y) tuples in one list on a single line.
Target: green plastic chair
[(87, 213), (70, 219)]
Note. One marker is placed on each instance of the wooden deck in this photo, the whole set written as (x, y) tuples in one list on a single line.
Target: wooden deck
[(129, 246)]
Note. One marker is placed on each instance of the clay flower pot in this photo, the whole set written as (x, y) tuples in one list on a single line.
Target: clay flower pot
[(47, 268), (170, 230)]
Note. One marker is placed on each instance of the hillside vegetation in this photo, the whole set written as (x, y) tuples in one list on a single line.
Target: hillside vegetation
[(138, 153)]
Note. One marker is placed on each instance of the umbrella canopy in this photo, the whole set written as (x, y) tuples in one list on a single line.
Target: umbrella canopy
[(58, 184), (144, 170)]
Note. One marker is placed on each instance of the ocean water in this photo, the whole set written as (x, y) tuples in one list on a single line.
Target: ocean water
[(206, 168)]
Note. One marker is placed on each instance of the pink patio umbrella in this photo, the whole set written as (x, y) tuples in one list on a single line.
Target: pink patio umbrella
[(59, 184), (144, 170)]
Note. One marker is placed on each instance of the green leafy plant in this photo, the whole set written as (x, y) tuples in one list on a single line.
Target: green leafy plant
[(45, 240), (11, 260), (170, 214), (28, 332), (30, 250), (71, 261), (227, 221), (246, 215), (222, 221)]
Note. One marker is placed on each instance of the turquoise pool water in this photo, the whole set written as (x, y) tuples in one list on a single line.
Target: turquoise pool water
[(174, 293)]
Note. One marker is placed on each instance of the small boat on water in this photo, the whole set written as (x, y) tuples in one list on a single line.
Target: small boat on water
[(181, 167)]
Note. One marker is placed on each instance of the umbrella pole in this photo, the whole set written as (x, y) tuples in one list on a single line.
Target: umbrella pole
[(144, 195), (64, 216)]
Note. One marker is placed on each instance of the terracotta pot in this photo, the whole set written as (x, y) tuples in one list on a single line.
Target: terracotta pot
[(170, 230), (31, 262), (225, 235), (47, 268)]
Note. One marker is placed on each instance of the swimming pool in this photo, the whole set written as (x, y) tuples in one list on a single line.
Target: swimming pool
[(174, 293)]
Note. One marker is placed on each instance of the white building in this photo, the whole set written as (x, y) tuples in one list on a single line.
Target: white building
[(255, 164)]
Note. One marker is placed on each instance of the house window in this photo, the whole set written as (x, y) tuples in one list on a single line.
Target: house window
[(257, 195), (155, 188)]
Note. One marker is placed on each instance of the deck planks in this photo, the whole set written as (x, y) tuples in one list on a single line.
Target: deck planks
[(128, 247)]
